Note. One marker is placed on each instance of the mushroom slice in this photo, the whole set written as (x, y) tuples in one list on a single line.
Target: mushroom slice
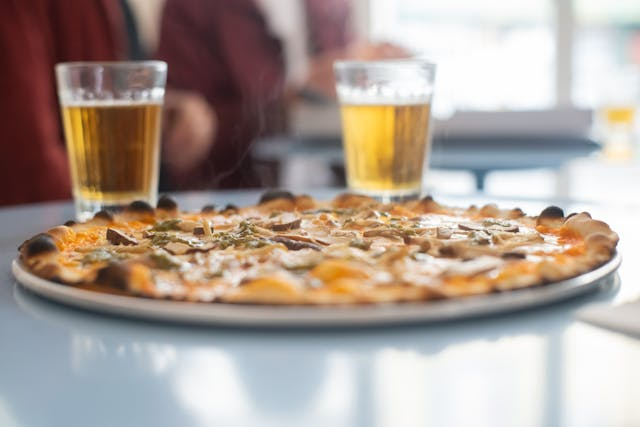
[(177, 248), (444, 233), (294, 245), (116, 237), (470, 226), (389, 233), (305, 239), (286, 226)]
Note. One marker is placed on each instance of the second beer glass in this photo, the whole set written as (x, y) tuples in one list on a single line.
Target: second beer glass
[(111, 114), (386, 116)]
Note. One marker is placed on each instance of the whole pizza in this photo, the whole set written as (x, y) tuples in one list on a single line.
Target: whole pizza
[(290, 249)]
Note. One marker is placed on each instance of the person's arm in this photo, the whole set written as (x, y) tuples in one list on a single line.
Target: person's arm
[(215, 48)]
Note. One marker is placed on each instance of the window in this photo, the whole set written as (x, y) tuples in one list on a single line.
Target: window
[(521, 54)]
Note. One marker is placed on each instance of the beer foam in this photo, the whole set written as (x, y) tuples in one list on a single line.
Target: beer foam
[(375, 95), (86, 98), (109, 103)]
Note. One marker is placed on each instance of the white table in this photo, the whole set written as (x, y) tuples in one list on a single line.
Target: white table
[(66, 367)]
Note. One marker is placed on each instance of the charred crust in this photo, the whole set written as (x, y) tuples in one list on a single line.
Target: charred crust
[(208, 208), (351, 200), (70, 223), (230, 208), (516, 213), (270, 195), (427, 205), (39, 244), (572, 214), (166, 203), (114, 276), (140, 206), (552, 212), (105, 215)]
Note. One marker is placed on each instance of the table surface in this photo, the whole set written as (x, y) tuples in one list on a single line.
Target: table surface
[(66, 367)]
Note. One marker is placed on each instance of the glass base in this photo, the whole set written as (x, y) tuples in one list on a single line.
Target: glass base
[(86, 209), (390, 196)]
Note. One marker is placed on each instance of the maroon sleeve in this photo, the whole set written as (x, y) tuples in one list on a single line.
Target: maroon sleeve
[(329, 24), (34, 35), (221, 48)]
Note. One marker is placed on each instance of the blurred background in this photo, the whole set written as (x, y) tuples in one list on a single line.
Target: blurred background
[(534, 98), (525, 73)]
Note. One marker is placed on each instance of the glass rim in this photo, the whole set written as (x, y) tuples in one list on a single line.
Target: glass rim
[(382, 63), (156, 64)]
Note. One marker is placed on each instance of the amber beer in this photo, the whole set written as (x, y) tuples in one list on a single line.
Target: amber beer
[(111, 114), (386, 111), (113, 151), (386, 145)]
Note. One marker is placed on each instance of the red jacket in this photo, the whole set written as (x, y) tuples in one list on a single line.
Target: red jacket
[(34, 36)]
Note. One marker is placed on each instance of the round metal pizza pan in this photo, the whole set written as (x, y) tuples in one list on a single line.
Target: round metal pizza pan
[(318, 316)]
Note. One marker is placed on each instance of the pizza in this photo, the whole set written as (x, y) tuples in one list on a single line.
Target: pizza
[(296, 250)]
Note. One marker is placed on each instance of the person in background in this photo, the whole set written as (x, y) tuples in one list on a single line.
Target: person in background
[(249, 61), (34, 36)]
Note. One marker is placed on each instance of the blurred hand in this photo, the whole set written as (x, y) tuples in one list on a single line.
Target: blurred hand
[(321, 78), (189, 130), (364, 51)]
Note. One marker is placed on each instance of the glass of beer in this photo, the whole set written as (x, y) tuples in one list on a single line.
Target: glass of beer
[(386, 116), (111, 113)]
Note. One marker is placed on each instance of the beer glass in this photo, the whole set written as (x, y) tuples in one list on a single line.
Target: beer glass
[(386, 117), (111, 113)]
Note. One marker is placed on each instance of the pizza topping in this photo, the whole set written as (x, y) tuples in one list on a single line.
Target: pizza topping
[(444, 233), (295, 245), (479, 237), (206, 228), (360, 244), (101, 255), (513, 255), (165, 260), (293, 224), (178, 248), (168, 225), (116, 237), (389, 233), (469, 226), (293, 249)]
